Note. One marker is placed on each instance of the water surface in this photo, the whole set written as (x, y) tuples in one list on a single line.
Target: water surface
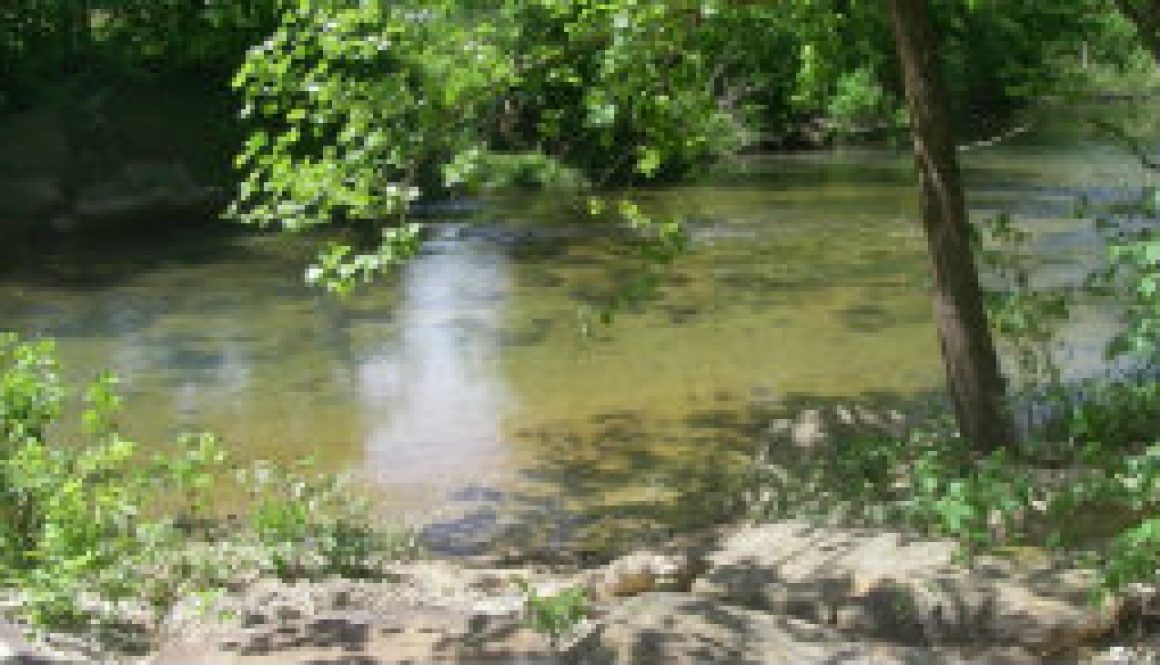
[(463, 389)]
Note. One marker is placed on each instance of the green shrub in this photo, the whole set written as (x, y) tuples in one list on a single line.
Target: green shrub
[(1098, 499), (88, 524), (860, 105), (554, 615)]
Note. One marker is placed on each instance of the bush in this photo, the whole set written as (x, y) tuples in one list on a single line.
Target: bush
[(860, 105), (89, 525), (1094, 498)]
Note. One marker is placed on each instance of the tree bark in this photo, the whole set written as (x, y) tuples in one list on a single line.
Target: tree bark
[(972, 368)]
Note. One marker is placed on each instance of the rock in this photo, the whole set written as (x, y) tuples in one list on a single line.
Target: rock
[(880, 584), (406, 634), (16, 650), (251, 619), (1125, 655), (430, 611), (287, 613), (641, 572), (811, 428), (682, 628), (845, 415), (808, 431)]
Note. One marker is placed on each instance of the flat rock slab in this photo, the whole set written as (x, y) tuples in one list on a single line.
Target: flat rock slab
[(416, 636), (682, 628), (656, 628), (16, 650), (881, 584)]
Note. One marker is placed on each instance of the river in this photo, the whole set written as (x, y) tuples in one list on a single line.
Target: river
[(464, 390)]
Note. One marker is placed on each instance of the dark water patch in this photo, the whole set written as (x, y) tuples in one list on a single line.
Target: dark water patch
[(867, 318), (536, 332)]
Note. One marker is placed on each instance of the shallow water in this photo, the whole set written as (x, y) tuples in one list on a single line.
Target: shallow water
[(463, 389)]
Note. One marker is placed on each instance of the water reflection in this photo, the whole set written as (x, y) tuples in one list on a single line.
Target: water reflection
[(433, 398)]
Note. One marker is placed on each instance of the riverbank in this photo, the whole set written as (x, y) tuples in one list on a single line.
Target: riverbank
[(783, 592), (756, 588), (762, 590)]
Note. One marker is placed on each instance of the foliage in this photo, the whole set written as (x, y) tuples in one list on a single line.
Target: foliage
[(1145, 18), (929, 480), (1036, 494), (554, 615), (88, 524), (45, 43), (69, 515), (996, 56), (518, 170), (339, 267), (1134, 555), (1119, 413), (654, 244), (1136, 259), (1025, 318), (360, 108), (309, 526), (860, 104)]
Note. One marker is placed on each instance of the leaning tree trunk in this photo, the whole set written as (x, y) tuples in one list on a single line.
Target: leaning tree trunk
[(973, 377)]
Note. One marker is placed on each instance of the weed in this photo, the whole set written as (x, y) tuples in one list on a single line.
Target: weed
[(555, 615)]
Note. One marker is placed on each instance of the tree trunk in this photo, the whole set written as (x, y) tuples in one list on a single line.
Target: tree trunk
[(972, 369)]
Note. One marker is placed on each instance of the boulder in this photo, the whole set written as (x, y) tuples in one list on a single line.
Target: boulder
[(882, 584), (641, 572)]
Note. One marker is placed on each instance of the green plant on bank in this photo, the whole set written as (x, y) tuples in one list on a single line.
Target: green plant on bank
[(92, 524), (1024, 317), (931, 482), (1123, 409), (1119, 413), (557, 615), (1135, 263), (309, 525)]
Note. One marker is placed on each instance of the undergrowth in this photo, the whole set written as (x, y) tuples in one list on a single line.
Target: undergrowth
[(1090, 498), (94, 529)]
